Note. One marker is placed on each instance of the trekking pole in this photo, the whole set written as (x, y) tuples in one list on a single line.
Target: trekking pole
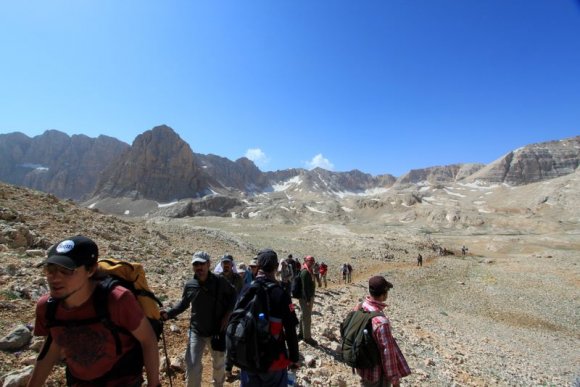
[(167, 363)]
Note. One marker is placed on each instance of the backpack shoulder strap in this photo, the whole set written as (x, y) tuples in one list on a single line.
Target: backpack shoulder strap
[(101, 305), (50, 318), (267, 287)]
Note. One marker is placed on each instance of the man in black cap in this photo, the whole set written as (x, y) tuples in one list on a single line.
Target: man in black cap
[(90, 351), (393, 365), (282, 325), (227, 263), (212, 300), (228, 273)]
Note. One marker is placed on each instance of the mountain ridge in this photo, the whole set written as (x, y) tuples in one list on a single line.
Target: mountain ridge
[(160, 166)]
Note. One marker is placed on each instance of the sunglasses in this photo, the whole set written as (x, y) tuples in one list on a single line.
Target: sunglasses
[(53, 269)]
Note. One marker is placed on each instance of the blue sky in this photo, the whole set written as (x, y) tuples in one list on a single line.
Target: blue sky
[(383, 86)]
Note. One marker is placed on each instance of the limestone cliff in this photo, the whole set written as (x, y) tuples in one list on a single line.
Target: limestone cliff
[(159, 165), (533, 163)]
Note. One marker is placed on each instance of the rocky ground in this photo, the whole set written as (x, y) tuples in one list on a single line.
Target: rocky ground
[(506, 314)]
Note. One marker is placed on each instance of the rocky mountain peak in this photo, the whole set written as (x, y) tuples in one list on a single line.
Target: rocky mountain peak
[(242, 175), (158, 166)]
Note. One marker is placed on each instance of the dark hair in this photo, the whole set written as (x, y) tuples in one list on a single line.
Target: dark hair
[(267, 260)]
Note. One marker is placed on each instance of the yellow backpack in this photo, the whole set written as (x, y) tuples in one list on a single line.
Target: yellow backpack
[(131, 276)]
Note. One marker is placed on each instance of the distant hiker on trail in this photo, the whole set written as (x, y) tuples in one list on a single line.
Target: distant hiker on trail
[(212, 299), (323, 272), (349, 272), (90, 351), (316, 272), (419, 260), (393, 365), (282, 326), (344, 271), (307, 301), (464, 250)]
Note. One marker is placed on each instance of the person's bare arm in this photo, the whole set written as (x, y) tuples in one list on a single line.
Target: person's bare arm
[(42, 368), (144, 333)]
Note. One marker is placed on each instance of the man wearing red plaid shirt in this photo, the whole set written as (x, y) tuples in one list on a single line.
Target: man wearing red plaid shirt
[(393, 365)]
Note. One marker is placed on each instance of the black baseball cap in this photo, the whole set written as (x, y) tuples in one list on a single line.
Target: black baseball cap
[(73, 252), (267, 260)]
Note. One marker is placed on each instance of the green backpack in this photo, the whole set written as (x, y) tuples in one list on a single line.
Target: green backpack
[(359, 349)]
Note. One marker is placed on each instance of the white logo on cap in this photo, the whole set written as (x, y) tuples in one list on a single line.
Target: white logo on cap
[(65, 247)]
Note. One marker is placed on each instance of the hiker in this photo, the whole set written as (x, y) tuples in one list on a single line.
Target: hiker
[(282, 325), (393, 365), (307, 301), (212, 299), (295, 265), (90, 350), (464, 250), (344, 271), (286, 275), (218, 269), (316, 272), (349, 272), (242, 268), (419, 260), (251, 272), (237, 282), (227, 262), (323, 272)]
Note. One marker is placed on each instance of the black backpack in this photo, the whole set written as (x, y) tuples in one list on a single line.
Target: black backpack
[(296, 288), (249, 344), (359, 349)]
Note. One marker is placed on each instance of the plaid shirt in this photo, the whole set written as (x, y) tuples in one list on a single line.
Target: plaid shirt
[(394, 365)]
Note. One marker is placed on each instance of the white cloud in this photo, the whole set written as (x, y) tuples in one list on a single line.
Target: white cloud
[(320, 161), (257, 156)]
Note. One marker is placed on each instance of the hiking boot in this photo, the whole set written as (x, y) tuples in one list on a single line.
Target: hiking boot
[(300, 336), (311, 342)]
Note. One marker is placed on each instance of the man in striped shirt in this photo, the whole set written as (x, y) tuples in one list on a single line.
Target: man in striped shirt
[(393, 365)]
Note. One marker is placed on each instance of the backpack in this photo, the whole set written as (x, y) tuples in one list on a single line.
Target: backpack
[(111, 273), (358, 348), (131, 276), (296, 288), (249, 343)]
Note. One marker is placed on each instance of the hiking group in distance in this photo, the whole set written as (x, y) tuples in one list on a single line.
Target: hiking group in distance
[(103, 321)]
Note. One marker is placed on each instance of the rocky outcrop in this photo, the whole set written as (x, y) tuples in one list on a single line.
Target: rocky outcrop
[(438, 174), (242, 174), (53, 162), (213, 205), (533, 163), (160, 166)]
